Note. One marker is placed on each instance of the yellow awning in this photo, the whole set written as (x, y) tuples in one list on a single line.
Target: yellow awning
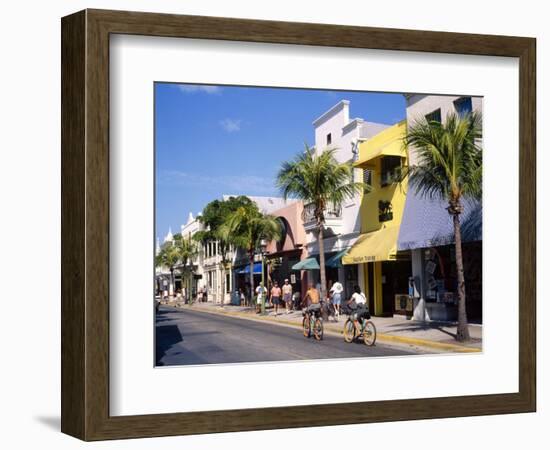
[(386, 143), (380, 245)]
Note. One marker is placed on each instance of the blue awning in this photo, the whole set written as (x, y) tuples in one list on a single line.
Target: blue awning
[(426, 222), (307, 264), (335, 261), (246, 269)]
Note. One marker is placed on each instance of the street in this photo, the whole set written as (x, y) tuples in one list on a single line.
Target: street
[(185, 337)]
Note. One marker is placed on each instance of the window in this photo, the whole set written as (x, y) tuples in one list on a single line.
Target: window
[(463, 105), (367, 178), (390, 170), (227, 283), (434, 116), (329, 138)]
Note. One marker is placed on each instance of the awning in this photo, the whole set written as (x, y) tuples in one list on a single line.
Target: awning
[(335, 261), (246, 269), (380, 245), (426, 222), (306, 264), (389, 142)]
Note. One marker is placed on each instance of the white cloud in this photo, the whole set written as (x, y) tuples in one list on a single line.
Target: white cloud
[(245, 184), (193, 88), (231, 125)]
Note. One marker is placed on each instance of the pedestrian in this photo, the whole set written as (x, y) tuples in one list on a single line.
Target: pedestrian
[(336, 291), (164, 288), (276, 297), (205, 295), (242, 297), (297, 300), (287, 295), (261, 294)]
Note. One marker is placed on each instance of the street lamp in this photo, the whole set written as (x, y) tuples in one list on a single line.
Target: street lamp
[(263, 247)]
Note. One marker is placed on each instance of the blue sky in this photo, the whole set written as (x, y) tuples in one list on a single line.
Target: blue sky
[(215, 140)]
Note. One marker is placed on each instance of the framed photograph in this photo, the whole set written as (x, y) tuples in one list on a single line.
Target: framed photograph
[(254, 210)]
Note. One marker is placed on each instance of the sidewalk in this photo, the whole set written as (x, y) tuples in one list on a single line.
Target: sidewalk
[(431, 335)]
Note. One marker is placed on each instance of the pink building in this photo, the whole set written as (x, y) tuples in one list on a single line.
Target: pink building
[(290, 249)]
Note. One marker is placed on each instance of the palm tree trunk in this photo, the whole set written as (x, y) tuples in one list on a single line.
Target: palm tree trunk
[(322, 262), (462, 331), (222, 299), (172, 282), (252, 280)]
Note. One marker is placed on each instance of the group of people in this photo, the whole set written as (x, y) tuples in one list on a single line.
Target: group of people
[(283, 296), (278, 296)]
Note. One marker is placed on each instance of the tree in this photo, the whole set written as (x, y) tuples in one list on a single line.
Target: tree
[(214, 217), (318, 179), (168, 257), (247, 226), (449, 168), (186, 250)]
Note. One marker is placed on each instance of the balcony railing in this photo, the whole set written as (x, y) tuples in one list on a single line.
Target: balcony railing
[(333, 215)]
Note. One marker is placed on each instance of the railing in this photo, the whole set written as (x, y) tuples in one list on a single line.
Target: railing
[(331, 212)]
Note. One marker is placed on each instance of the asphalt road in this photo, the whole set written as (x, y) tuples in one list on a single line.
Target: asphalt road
[(185, 337)]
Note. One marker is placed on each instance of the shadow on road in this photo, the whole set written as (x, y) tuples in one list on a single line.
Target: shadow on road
[(166, 337)]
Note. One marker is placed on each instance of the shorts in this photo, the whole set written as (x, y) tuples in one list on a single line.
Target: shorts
[(287, 298), (336, 298), (276, 300)]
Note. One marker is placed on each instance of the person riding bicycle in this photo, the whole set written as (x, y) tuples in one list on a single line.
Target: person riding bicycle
[(358, 303), (312, 299)]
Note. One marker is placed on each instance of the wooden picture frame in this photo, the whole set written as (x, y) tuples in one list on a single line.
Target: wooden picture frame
[(85, 224)]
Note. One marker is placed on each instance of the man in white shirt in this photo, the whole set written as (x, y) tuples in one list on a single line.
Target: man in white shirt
[(260, 295), (336, 291)]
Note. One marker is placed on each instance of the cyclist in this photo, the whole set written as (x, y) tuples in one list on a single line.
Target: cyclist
[(358, 302), (312, 299)]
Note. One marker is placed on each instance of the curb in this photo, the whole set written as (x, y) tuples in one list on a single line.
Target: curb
[(380, 336)]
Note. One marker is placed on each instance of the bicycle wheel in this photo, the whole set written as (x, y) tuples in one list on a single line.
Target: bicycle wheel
[(305, 326), (349, 331), (318, 329), (369, 333)]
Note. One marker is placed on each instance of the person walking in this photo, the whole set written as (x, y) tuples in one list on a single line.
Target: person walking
[(287, 295), (261, 294), (336, 292), (275, 299)]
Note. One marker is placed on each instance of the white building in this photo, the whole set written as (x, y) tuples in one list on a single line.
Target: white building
[(427, 230), (187, 231), (207, 267), (334, 129)]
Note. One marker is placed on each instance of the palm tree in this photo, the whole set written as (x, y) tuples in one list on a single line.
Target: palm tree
[(318, 179), (214, 217), (247, 226), (449, 168), (168, 256), (186, 250)]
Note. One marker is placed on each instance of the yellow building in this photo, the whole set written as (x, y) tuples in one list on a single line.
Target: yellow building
[(375, 251)]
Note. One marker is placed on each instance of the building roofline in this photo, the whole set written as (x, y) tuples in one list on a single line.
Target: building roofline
[(327, 114)]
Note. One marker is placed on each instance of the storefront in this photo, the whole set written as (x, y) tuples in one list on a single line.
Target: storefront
[(427, 232), (385, 271)]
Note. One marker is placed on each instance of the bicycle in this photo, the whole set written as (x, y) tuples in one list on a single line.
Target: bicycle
[(355, 329), (312, 322)]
